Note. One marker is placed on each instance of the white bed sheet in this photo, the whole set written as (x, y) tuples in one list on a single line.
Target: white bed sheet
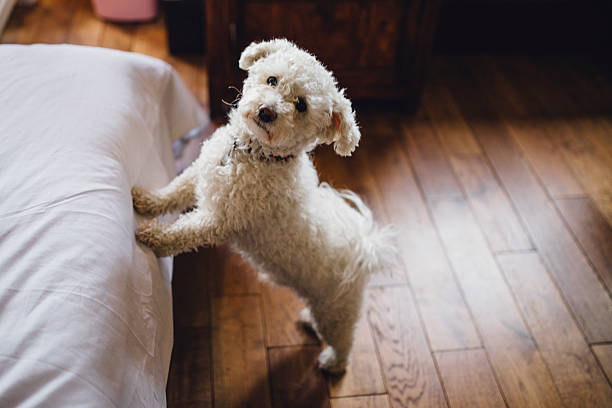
[(85, 312)]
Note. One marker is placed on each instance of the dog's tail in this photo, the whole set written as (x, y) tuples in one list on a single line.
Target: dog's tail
[(378, 247)]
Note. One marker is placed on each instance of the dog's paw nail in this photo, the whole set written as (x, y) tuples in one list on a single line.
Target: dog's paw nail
[(328, 361)]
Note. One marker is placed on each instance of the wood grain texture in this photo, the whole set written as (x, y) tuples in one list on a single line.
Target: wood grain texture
[(445, 315), (296, 380), (53, 27), (576, 126), (531, 126), (190, 377), (371, 401), (231, 274), (363, 375), (281, 312), (451, 127), (85, 27), (586, 296), (12, 28), (579, 380), (468, 379), (189, 68), (491, 205), (239, 354), (190, 291), (118, 36), (406, 361), (24, 24), (431, 167), (588, 162), (592, 231), (604, 355), (148, 37), (521, 372)]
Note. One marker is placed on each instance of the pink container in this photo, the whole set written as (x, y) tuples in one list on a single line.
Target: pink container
[(125, 10)]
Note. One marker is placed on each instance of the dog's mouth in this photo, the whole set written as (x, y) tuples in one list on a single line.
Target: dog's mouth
[(260, 128)]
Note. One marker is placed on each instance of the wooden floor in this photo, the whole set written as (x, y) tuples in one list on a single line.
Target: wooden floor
[(501, 186)]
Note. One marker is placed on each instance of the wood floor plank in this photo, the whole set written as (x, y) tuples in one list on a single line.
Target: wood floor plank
[(468, 379), (431, 167), (450, 126), (202, 87), (592, 231), (445, 315), (118, 36), (586, 296), (190, 290), (239, 353), (532, 127), (492, 207), (296, 380), (230, 274), (53, 28), (188, 69), (190, 377), (604, 355), (85, 27), (148, 37), (281, 312), (574, 131), (521, 372), (579, 380), (372, 401), (406, 360), (28, 20), (12, 27), (363, 375), (587, 161)]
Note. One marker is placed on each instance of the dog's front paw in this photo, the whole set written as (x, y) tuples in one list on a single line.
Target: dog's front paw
[(144, 201), (150, 233), (329, 361)]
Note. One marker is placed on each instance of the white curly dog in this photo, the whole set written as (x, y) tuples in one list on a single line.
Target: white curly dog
[(254, 186)]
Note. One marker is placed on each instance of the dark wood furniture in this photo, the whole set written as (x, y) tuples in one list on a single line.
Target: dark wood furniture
[(378, 50)]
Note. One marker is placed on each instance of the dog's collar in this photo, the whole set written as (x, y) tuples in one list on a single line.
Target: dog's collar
[(257, 152)]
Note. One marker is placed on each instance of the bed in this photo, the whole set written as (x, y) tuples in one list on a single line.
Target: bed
[(85, 311)]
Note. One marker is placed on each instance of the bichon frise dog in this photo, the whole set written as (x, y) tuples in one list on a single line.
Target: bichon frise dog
[(254, 186)]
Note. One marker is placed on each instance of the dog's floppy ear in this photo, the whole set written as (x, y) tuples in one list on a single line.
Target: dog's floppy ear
[(259, 50), (343, 130)]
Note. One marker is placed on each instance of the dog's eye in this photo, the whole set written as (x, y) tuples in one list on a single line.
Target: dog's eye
[(272, 81), (300, 105)]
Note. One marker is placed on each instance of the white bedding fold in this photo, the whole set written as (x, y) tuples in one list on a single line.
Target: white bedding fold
[(85, 312)]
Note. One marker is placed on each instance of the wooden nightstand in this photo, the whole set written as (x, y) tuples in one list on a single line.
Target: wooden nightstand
[(378, 50)]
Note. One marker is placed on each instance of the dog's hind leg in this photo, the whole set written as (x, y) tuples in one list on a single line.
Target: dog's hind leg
[(335, 322), (176, 196), (189, 231), (307, 320)]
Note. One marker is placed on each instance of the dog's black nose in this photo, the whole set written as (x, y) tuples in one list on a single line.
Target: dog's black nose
[(266, 114)]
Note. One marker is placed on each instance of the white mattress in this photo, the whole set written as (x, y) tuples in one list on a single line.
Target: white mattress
[(85, 312)]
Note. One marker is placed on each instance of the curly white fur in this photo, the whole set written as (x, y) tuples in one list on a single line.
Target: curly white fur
[(255, 186)]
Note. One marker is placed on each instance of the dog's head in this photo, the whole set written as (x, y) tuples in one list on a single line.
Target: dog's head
[(291, 103)]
